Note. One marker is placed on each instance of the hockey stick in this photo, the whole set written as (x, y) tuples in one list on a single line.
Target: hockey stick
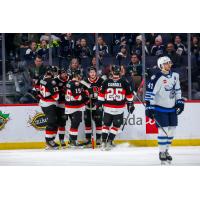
[(135, 94), (125, 123), (91, 122)]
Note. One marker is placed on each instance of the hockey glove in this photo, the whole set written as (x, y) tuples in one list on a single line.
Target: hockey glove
[(150, 111), (179, 106), (130, 107)]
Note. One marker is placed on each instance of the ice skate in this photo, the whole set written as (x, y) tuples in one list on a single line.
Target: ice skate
[(98, 143), (87, 144), (63, 144), (169, 157), (163, 158), (103, 146), (51, 145), (109, 145)]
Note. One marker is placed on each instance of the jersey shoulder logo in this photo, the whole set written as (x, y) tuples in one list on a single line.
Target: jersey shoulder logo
[(153, 77), (53, 82)]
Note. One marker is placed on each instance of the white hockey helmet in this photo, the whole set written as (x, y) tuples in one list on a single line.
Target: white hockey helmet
[(162, 60)]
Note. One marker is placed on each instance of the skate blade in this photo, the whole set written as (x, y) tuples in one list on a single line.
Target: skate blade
[(169, 162), (163, 162), (51, 148)]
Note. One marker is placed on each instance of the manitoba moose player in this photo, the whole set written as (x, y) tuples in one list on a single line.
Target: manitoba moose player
[(114, 94), (61, 82), (95, 83), (75, 98), (164, 102), (48, 101)]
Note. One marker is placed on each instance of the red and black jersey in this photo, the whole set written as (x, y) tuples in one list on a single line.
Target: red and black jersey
[(48, 92), (115, 94), (61, 84), (75, 97), (94, 89)]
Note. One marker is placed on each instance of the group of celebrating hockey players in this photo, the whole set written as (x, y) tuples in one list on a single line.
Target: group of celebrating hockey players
[(65, 95)]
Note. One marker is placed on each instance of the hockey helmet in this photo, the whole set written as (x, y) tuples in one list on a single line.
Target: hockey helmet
[(163, 60), (116, 69)]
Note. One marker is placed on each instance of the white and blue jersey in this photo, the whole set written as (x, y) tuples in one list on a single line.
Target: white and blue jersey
[(163, 90)]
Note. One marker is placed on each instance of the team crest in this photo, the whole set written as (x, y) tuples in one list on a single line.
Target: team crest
[(3, 119), (38, 121)]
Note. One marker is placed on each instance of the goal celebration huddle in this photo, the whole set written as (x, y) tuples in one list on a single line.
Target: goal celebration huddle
[(66, 95)]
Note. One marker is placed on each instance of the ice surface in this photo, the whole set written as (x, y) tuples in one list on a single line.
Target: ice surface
[(122, 155)]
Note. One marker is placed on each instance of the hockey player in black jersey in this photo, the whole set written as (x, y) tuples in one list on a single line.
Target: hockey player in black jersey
[(115, 93), (61, 81), (48, 100), (75, 98), (95, 83)]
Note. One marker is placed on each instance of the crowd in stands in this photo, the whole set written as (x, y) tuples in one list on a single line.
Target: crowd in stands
[(125, 49)]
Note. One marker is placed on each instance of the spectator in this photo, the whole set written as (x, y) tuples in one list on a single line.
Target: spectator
[(93, 63), (137, 48), (46, 37), (31, 53), (122, 54), (37, 69), (82, 50), (102, 48), (195, 46), (43, 51), (134, 72), (179, 46), (172, 54), (158, 48), (66, 50)]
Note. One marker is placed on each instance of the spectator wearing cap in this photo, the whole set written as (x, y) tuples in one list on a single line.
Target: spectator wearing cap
[(137, 48), (172, 54), (158, 48), (179, 46)]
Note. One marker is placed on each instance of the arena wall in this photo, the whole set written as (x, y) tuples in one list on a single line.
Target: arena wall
[(22, 127)]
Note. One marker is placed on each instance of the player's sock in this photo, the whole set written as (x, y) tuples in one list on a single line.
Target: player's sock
[(111, 137), (104, 137), (162, 139), (98, 139), (171, 133)]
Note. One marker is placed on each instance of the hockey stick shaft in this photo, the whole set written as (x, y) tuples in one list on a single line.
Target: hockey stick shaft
[(135, 94), (126, 121), (91, 122)]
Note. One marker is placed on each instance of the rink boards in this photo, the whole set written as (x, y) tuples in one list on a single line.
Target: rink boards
[(22, 127)]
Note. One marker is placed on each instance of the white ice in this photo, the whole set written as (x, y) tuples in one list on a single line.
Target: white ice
[(122, 155)]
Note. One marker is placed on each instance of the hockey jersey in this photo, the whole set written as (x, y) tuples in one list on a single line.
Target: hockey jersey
[(94, 89), (163, 90), (48, 92), (61, 84), (75, 97), (115, 94)]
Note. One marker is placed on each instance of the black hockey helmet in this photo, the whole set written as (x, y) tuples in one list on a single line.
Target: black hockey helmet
[(116, 69), (49, 71), (76, 72), (62, 70)]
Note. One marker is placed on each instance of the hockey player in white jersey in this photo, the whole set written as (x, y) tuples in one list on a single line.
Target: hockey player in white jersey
[(164, 103)]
